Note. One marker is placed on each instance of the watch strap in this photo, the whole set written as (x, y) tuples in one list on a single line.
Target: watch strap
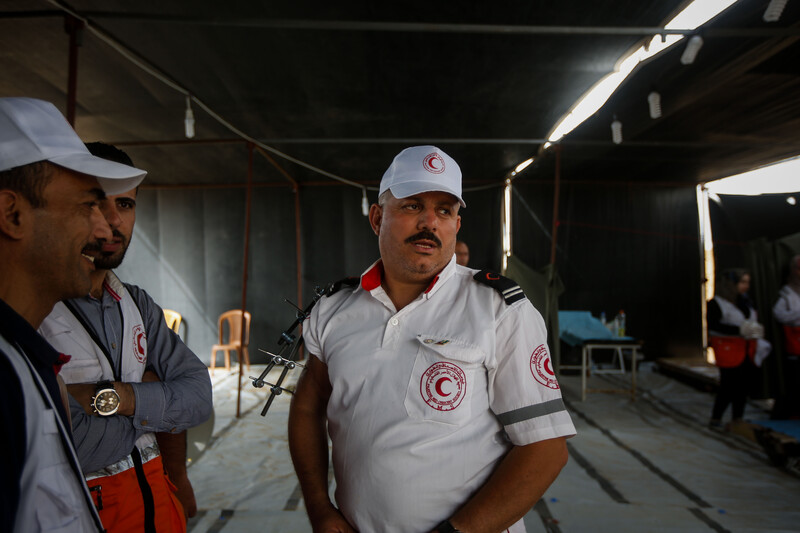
[(105, 384)]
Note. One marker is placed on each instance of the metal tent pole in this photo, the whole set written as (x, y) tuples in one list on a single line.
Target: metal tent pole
[(248, 203)]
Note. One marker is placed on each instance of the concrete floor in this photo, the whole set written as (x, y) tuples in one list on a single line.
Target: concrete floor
[(649, 465)]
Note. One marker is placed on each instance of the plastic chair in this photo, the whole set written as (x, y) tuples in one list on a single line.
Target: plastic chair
[(173, 319), (234, 320)]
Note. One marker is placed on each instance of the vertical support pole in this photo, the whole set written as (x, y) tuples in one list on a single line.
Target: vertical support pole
[(556, 194), (707, 268), (74, 28), (551, 311), (248, 203), (298, 235)]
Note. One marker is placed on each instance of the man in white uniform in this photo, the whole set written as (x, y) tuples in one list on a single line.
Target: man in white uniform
[(50, 188), (119, 342), (435, 380)]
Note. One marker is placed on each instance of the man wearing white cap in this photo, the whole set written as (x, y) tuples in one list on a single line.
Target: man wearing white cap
[(434, 379), (50, 187)]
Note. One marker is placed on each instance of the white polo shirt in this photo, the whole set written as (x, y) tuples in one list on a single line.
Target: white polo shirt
[(427, 400)]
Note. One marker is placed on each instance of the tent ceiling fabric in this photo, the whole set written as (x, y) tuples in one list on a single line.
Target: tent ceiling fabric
[(318, 82)]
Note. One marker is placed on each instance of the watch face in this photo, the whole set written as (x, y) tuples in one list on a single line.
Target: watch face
[(106, 402)]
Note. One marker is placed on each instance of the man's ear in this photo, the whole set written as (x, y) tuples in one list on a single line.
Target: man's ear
[(375, 218), (12, 214)]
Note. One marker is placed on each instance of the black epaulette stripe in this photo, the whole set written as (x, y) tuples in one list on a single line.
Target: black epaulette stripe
[(336, 286), (508, 288), (508, 293)]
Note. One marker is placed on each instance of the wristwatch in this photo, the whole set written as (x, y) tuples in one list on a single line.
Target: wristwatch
[(105, 401), (447, 527)]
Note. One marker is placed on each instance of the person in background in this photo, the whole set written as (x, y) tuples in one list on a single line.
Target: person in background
[(133, 451), (50, 190), (738, 341), (435, 380), (787, 313), (462, 253)]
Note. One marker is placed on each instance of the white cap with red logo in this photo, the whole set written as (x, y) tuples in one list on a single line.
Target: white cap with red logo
[(422, 169), (34, 130)]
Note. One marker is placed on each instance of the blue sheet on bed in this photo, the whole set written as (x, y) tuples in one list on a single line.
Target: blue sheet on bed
[(787, 427), (577, 327)]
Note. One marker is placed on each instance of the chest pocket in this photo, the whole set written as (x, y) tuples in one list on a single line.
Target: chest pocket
[(84, 366), (59, 497), (447, 376)]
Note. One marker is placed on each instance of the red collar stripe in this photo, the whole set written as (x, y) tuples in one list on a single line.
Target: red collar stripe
[(432, 284), (372, 279), (111, 291)]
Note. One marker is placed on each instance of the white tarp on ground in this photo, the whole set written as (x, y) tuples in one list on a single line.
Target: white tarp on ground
[(650, 465)]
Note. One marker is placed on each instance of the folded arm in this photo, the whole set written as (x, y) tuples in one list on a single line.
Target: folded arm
[(182, 397)]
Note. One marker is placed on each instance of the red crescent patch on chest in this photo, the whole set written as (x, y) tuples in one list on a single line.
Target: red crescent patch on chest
[(443, 386), (140, 343), (542, 368)]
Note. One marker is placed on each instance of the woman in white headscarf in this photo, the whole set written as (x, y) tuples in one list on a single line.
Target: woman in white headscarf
[(737, 338)]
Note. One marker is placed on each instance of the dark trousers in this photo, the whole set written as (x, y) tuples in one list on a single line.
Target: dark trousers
[(734, 383), (787, 405)]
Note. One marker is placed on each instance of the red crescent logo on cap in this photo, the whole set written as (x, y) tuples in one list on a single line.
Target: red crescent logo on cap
[(433, 163)]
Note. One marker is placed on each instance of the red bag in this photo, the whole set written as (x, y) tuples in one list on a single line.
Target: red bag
[(792, 335), (729, 352)]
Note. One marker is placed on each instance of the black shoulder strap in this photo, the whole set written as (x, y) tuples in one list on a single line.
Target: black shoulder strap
[(508, 288), (93, 334), (336, 286)]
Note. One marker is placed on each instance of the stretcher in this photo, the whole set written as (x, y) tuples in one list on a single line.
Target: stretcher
[(580, 328)]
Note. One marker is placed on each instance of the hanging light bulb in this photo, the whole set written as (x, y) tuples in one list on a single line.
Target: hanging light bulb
[(774, 10), (692, 48), (364, 202), (654, 102), (616, 131), (189, 120)]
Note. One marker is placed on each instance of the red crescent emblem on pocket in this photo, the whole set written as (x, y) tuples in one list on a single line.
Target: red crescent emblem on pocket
[(438, 377), (492, 277), (438, 387)]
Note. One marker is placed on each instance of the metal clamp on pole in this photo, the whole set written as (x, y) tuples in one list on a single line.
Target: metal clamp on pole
[(287, 343)]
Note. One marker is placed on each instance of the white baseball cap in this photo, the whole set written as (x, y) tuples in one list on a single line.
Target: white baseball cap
[(34, 130), (422, 169)]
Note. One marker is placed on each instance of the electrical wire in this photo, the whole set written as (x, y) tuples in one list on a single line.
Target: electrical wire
[(164, 78)]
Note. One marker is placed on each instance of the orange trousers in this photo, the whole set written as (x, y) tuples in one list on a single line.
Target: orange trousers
[(120, 501)]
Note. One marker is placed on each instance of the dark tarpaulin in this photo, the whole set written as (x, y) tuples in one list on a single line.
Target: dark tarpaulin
[(621, 247), (542, 287)]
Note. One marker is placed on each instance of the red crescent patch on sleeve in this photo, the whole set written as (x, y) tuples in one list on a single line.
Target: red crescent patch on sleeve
[(542, 368)]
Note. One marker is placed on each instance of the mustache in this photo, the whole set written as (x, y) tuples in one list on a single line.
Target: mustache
[(97, 245), (425, 235)]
